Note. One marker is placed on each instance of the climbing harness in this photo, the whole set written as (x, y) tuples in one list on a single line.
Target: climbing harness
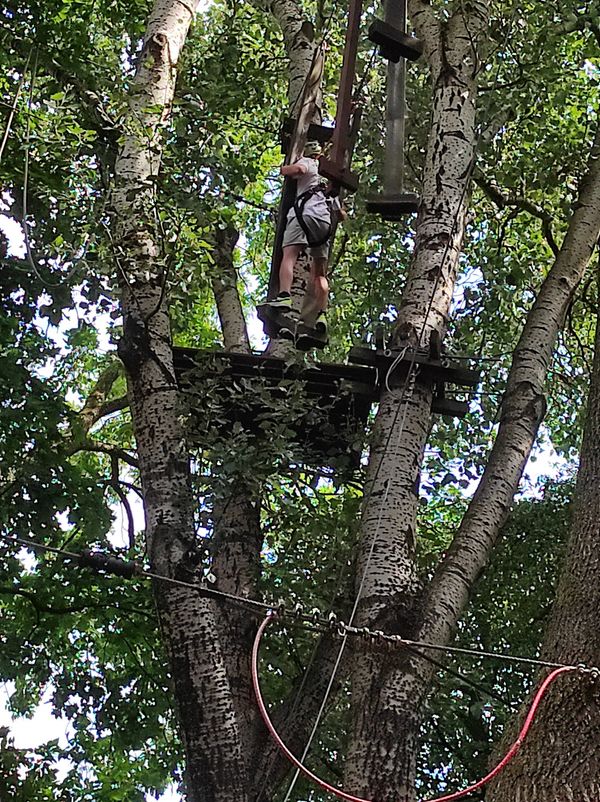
[(299, 206)]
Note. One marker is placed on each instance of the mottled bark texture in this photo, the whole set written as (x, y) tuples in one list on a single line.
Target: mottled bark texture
[(521, 413), (560, 760), (387, 695), (224, 280), (210, 733)]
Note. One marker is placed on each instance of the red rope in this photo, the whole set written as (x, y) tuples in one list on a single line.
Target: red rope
[(349, 797)]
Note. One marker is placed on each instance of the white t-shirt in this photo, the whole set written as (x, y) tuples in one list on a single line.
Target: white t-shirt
[(316, 205)]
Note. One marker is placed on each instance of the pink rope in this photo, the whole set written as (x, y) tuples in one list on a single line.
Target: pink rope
[(349, 797)]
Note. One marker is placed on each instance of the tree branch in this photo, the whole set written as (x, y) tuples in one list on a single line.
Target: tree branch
[(78, 608), (97, 401), (521, 413), (224, 285), (102, 448), (502, 201)]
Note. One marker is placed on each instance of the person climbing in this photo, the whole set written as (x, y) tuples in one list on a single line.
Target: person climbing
[(308, 226)]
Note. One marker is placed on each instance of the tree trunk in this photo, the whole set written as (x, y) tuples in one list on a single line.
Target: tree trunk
[(560, 759), (386, 580), (209, 729), (521, 413), (224, 284)]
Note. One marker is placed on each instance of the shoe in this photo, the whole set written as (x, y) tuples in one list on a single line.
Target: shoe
[(283, 303), (321, 323), (285, 333), (304, 342)]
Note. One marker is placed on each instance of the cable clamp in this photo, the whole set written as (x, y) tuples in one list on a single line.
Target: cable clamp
[(593, 671), (106, 562)]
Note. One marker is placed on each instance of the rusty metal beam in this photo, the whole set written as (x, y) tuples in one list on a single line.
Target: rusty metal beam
[(336, 167)]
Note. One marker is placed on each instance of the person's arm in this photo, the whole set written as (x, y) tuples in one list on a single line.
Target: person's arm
[(293, 170), (338, 213)]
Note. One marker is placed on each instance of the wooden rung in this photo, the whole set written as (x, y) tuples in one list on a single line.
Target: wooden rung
[(393, 43), (338, 174), (449, 407), (319, 133), (393, 207)]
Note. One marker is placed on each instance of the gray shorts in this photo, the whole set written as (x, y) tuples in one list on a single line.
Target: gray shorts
[(294, 234)]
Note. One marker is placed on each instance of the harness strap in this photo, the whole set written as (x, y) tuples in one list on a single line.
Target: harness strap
[(299, 205)]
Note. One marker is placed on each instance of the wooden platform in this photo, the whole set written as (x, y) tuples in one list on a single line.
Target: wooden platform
[(393, 207), (393, 366), (329, 430)]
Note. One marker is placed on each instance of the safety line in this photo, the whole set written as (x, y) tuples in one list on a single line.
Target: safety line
[(13, 106), (313, 621), (446, 798)]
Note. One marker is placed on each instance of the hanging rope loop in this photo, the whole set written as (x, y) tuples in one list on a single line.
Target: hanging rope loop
[(341, 794)]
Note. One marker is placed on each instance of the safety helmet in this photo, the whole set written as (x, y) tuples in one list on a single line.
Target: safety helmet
[(312, 149)]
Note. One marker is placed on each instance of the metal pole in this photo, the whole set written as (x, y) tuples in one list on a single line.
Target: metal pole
[(393, 180), (393, 176)]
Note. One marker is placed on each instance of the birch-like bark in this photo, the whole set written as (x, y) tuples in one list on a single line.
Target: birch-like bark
[(560, 759), (521, 413), (299, 41), (224, 284), (210, 734), (447, 594), (384, 767)]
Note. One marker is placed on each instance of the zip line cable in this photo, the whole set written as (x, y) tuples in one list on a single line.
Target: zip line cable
[(300, 767), (303, 682), (13, 106), (312, 621)]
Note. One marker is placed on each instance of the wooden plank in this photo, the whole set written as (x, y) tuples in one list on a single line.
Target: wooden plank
[(393, 207), (394, 44), (450, 407), (318, 133), (444, 369), (358, 379)]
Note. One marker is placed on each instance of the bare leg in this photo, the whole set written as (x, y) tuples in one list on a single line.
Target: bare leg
[(320, 285), (286, 269)]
